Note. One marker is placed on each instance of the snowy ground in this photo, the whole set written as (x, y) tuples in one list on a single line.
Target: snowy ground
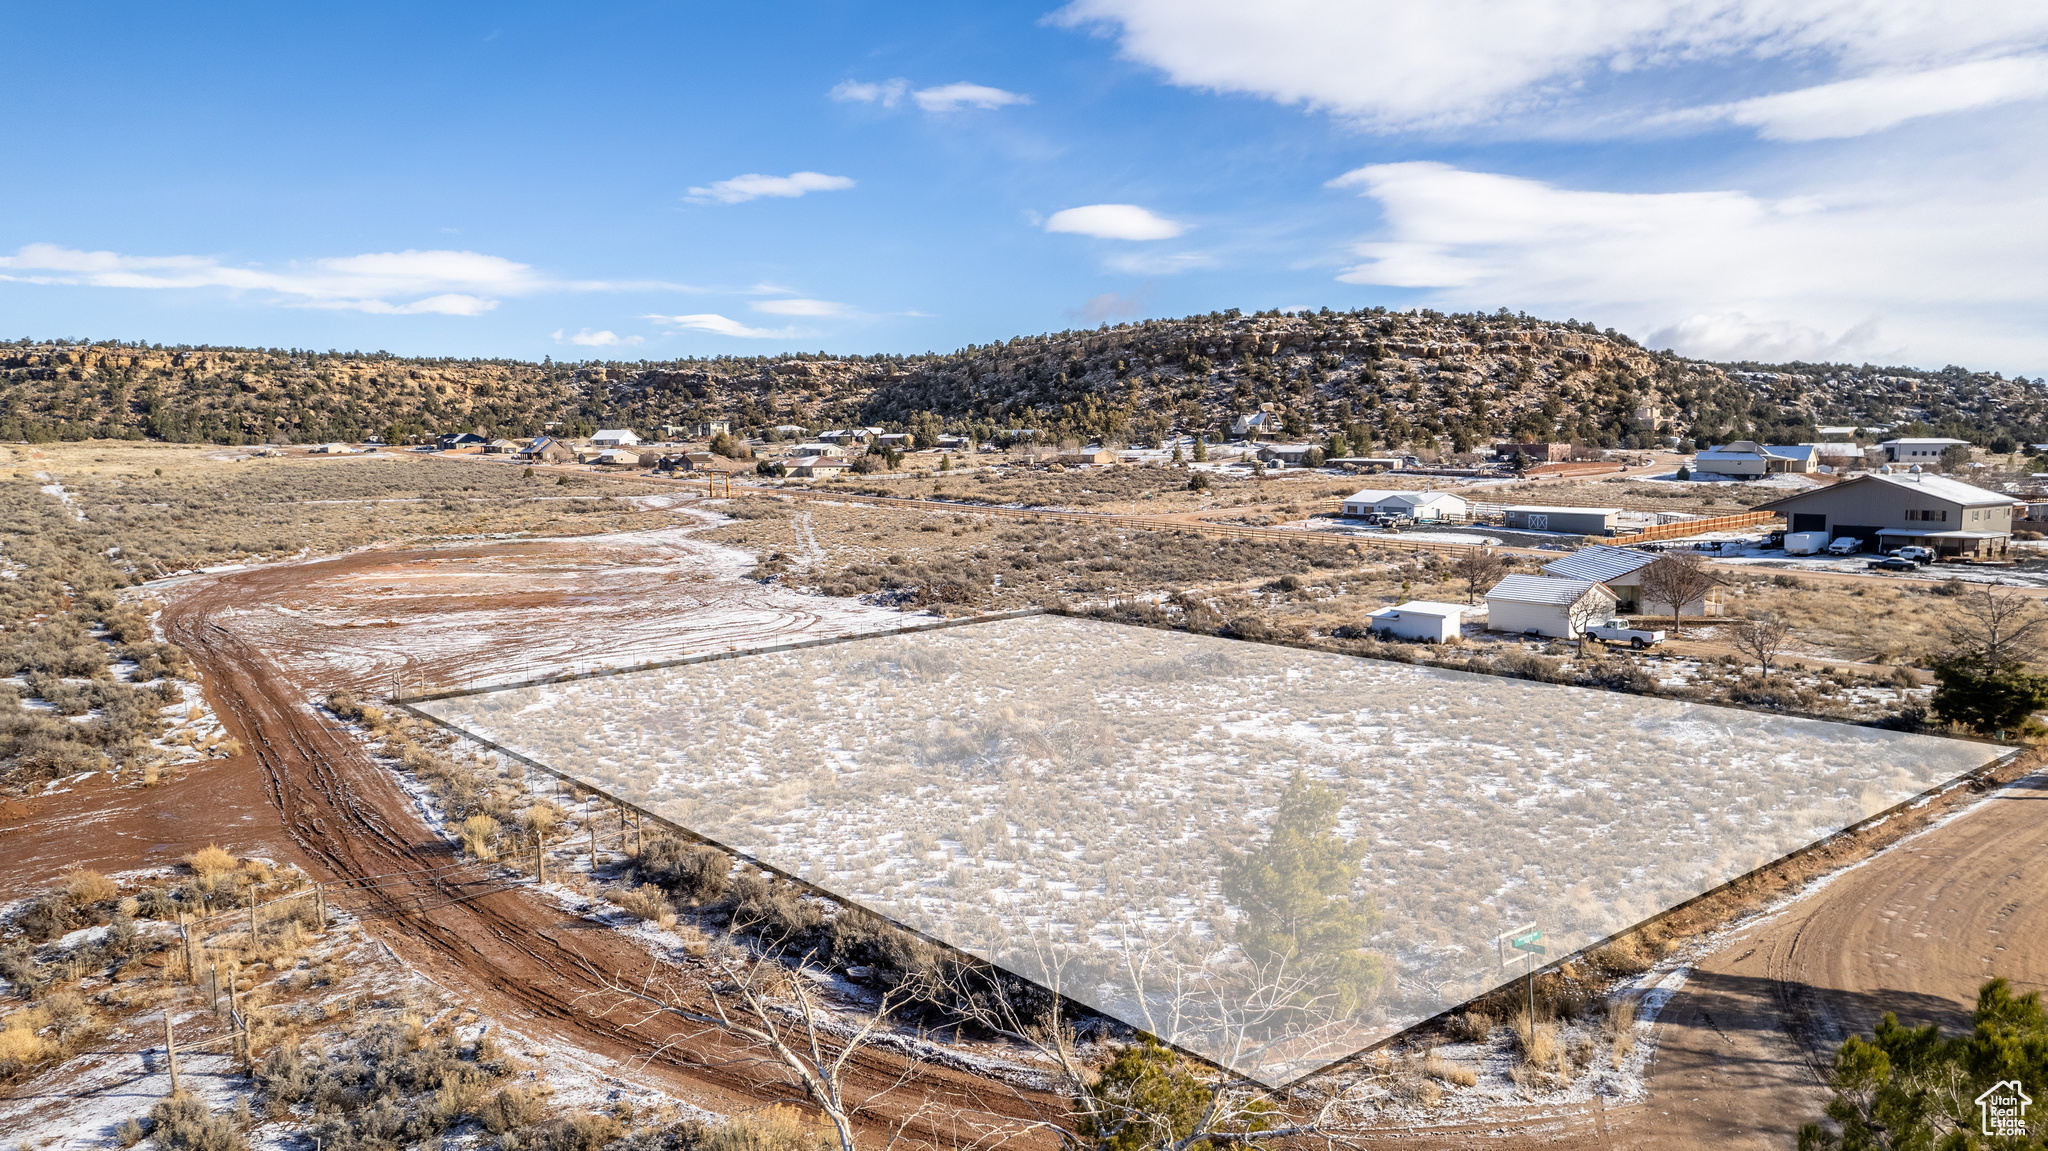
[(1057, 787)]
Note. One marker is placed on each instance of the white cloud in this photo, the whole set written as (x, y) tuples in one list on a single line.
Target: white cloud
[(800, 307), (719, 325), (1869, 104), (753, 186), (407, 283), (1114, 222), (939, 98), (589, 339), (887, 93), (1398, 64), (1938, 269), (953, 97)]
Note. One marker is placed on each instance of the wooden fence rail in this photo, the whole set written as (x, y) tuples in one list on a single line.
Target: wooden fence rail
[(1695, 527)]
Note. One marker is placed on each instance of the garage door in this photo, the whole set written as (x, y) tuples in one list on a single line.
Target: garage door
[(1809, 522)]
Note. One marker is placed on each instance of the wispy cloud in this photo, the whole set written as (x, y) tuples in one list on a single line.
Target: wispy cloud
[(940, 98), (1109, 306), (753, 186), (887, 93), (1114, 222), (589, 339), (719, 325), (1867, 104), (447, 283), (1150, 263), (953, 97), (1450, 65), (802, 307), (1728, 273)]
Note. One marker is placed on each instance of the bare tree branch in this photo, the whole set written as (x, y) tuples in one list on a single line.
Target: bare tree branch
[(2001, 630), (1763, 637), (1674, 580)]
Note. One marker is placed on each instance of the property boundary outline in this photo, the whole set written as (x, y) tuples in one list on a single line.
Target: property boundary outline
[(1987, 768)]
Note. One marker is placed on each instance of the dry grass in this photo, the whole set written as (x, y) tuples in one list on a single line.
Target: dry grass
[(87, 886), (479, 836), (1447, 1071), (211, 861), (646, 902), (1621, 1028)]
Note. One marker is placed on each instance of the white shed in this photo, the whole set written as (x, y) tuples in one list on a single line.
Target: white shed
[(1421, 619), (1547, 605)]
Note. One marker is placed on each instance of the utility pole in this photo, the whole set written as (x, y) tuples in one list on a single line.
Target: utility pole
[(320, 904), (252, 916)]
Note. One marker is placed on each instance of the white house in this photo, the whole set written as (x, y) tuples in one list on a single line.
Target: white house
[(1255, 425), (333, 449), (1925, 451), (614, 438), (1621, 571), (1421, 506), (1547, 605), (1422, 619)]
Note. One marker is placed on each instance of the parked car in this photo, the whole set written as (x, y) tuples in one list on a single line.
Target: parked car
[(1892, 564), (1846, 546), (1618, 631), (1914, 552)]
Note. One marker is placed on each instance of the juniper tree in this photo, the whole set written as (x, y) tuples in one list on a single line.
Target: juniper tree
[(1294, 895)]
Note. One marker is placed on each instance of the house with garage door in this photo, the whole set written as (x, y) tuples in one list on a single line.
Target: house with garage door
[(1425, 507), (1890, 509), (1547, 605), (1621, 571)]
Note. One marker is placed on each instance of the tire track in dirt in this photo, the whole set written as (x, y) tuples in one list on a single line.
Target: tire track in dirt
[(507, 954)]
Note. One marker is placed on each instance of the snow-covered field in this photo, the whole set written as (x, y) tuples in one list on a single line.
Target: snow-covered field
[(1061, 795)]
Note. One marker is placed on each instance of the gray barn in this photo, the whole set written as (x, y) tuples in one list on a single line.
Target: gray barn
[(1579, 521), (1890, 510)]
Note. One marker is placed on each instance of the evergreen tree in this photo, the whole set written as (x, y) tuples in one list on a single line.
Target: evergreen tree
[(1295, 901)]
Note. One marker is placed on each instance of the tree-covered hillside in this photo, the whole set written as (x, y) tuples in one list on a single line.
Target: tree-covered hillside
[(1375, 378)]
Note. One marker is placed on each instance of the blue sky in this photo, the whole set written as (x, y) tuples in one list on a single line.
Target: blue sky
[(1859, 180)]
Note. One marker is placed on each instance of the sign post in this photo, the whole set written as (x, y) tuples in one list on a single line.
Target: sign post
[(1527, 940)]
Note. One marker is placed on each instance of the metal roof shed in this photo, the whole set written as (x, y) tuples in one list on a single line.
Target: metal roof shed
[(1426, 620)]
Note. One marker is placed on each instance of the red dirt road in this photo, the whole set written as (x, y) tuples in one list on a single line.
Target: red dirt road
[(491, 944)]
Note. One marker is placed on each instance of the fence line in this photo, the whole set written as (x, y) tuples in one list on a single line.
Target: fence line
[(1695, 527)]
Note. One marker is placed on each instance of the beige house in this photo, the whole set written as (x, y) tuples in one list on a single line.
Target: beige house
[(1080, 456), (547, 451), (1890, 509), (815, 467)]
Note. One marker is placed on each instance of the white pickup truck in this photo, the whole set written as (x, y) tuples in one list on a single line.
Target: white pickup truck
[(1618, 631)]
